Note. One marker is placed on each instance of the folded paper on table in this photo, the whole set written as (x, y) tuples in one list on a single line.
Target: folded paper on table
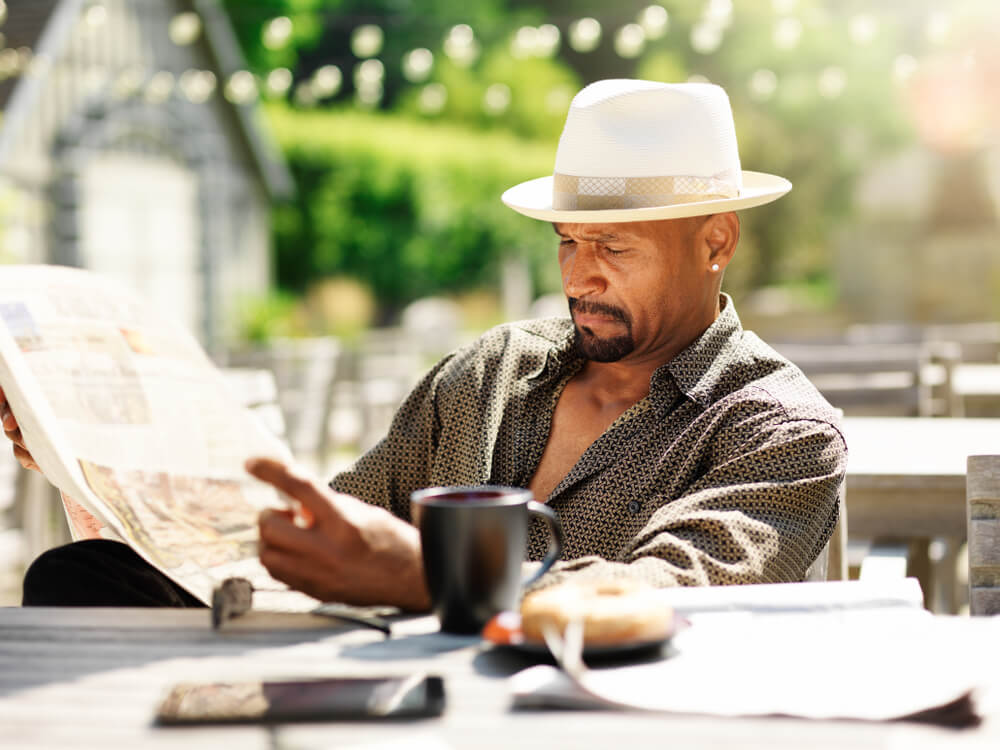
[(819, 596), (868, 665)]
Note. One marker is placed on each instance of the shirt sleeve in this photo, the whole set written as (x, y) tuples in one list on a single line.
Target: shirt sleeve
[(400, 462), (762, 513)]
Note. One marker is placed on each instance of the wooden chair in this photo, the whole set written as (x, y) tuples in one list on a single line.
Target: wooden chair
[(982, 492), (257, 390), (831, 565), (979, 341), (304, 372), (910, 379)]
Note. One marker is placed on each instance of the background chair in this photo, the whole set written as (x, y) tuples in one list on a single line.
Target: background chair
[(982, 492), (831, 565)]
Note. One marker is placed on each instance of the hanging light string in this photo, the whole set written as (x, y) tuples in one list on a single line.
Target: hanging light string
[(461, 46)]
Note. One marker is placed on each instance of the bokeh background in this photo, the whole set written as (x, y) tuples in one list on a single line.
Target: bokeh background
[(382, 133), (313, 186)]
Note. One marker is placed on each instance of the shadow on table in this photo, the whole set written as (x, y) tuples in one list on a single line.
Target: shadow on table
[(418, 646), (81, 646)]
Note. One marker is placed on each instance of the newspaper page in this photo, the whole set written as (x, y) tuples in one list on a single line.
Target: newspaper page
[(886, 663), (125, 414)]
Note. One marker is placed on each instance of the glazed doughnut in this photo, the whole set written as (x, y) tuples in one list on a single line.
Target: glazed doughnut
[(613, 612)]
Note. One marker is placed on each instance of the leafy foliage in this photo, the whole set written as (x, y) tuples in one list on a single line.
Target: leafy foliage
[(412, 208), (249, 20), (408, 200)]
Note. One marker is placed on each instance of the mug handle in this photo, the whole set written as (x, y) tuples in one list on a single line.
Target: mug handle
[(555, 542)]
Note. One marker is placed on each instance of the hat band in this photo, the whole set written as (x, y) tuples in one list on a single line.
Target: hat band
[(571, 192)]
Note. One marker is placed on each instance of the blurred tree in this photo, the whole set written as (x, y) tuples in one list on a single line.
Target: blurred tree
[(411, 208), (817, 88), (272, 33)]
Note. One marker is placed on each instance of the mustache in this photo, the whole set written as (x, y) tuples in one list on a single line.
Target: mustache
[(598, 308)]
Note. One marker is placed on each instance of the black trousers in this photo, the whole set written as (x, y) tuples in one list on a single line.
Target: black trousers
[(99, 573)]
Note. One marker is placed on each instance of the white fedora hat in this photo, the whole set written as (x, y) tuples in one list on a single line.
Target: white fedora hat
[(642, 150)]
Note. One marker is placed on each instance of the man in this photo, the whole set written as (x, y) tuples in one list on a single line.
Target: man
[(674, 446)]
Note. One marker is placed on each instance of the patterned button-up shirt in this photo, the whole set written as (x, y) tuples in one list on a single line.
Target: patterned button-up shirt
[(727, 472)]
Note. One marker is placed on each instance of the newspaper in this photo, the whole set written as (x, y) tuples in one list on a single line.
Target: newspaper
[(870, 664), (125, 414)]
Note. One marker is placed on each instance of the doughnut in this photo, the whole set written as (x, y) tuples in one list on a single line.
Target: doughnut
[(613, 612)]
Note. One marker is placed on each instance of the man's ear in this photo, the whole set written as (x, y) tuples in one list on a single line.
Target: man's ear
[(721, 233)]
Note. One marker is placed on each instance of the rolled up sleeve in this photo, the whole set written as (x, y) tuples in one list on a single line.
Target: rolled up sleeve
[(760, 514)]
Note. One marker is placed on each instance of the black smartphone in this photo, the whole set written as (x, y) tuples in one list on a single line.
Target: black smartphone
[(326, 699)]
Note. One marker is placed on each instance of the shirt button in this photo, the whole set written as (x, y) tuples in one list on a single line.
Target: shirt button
[(634, 507)]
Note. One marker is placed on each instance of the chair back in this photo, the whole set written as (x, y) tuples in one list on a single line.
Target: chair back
[(982, 493), (831, 565), (907, 379)]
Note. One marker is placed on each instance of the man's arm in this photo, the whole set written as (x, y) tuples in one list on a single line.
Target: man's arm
[(726, 529), (337, 548), (352, 541)]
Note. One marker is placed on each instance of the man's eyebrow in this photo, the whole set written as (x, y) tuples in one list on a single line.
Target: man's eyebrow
[(598, 238)]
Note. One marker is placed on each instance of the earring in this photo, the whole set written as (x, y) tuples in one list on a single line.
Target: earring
[(715, 267)]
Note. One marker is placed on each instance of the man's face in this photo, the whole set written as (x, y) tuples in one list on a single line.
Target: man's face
[(635, 288)]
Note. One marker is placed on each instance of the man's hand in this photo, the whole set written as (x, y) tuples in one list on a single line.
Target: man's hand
[(84, 524), (338, 548), (13, 433)]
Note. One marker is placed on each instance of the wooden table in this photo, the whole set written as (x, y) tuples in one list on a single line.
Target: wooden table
[(906, 475), (977, 384), (90, 678), (976, 379), (906, 485)]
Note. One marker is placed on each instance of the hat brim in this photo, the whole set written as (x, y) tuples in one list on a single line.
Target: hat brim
[(534, 198)]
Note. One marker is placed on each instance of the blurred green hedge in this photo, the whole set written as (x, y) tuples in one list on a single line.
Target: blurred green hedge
[(408, 207)]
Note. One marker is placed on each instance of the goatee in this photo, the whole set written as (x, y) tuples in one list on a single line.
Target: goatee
[(592, 347)]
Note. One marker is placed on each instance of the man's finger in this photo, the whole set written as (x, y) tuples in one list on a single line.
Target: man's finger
[(278, 529), (15, 437), (286, 568), (24, 458), (313, 498), (289, 515), (7, 416)]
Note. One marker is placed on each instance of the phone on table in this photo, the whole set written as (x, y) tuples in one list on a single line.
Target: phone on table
[(325, 699)]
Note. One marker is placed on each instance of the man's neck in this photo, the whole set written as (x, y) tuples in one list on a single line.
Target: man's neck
[(609, 383), (628, 379)]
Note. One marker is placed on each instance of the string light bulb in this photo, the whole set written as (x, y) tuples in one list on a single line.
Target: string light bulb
[(279, 81), (630, 40), (655, 21), (367, 40), (241, 88), (95, 15), (184, 28), (496, 100), (432, 99), (327, 81), (585, 34), (460, 45), (417, 64), (277, 32)]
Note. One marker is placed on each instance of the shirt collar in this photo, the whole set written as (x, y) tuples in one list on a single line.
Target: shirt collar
[(697, 369)]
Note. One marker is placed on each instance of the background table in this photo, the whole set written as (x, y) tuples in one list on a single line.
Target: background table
[(906, 485), (90, 678), (906, 475)]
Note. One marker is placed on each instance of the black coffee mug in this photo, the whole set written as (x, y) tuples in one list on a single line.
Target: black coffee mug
[(474, 540)]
